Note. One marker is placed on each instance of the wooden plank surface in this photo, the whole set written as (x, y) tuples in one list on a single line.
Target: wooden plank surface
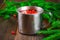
[(26, 37), (6, 26), (53, 0)]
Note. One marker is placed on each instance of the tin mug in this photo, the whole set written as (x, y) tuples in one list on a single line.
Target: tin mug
[(29, 23)]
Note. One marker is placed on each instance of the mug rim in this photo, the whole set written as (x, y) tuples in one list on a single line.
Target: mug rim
[(39, 10)]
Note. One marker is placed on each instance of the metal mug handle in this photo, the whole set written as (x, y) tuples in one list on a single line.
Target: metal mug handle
[(46, 23)]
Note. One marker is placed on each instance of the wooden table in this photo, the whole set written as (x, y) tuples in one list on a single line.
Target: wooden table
[(25, 37)]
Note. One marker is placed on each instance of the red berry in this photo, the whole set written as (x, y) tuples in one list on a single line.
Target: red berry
[(14, 15), (13, 32), (33, 12), (28, 11)]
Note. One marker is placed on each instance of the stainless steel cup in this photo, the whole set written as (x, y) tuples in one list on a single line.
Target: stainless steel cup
[(29, 23)]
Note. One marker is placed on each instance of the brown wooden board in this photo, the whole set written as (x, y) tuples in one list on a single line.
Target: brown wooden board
[(19, 36), (6, 26)]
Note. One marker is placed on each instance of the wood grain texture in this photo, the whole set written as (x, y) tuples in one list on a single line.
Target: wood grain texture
[(6, 26), (26, 37), (53, 0)]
